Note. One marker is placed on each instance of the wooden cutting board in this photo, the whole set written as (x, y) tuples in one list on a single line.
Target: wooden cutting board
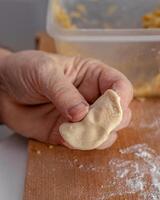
[(130, 169)]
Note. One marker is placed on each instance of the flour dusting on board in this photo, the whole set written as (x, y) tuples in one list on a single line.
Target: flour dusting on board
[(135, 172), (141, 176)]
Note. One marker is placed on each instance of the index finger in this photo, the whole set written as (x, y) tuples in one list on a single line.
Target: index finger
[(111, 78)]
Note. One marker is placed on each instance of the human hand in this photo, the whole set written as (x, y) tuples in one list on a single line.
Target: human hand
[(39, 91)]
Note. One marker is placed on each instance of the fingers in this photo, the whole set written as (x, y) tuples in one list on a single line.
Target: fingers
[(124, 89), (65, 97), (127, 114), (89, 87), (112, 79), (113, 136)]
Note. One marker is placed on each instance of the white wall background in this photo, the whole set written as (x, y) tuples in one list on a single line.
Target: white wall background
[(20, 20)]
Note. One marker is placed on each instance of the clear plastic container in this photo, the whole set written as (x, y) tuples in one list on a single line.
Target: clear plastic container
[(109, 30)]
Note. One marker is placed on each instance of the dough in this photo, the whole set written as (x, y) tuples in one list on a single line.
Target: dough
[(104, 116), (152, 19)]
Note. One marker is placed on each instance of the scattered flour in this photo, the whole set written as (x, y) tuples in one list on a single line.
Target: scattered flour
[(140, 176), (136, 171), (75, 160), (152, 125), (80, 166), (149, 125)]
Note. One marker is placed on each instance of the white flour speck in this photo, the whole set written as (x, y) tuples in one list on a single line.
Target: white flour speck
[(140, 176), (93, 168), (75, 160), (150, 125), (80, 166), (135, 171), (153, 49), (135, 184), (122, 173)]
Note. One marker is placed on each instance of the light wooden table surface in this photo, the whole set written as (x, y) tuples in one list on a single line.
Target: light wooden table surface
[(130, 169)]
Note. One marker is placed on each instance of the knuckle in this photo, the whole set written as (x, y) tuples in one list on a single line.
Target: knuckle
[(40, 63), (45, 63), (47, 74), (59, 91), (93, 61), (79, 60)]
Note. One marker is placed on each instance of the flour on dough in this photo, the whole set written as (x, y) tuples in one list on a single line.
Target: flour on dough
[(103, 117)]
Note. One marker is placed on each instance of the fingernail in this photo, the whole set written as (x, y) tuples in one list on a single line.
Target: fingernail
[(78, 111)]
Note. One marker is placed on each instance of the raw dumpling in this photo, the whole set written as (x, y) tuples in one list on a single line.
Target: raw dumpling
[(103, 117)]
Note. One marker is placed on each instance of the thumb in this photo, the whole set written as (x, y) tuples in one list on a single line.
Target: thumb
[(66, 98)]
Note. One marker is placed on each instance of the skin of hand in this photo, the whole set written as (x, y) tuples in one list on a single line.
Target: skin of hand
[(39, 91)]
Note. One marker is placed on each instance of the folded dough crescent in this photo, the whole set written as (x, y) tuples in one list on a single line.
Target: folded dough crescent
[(103, 117)]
